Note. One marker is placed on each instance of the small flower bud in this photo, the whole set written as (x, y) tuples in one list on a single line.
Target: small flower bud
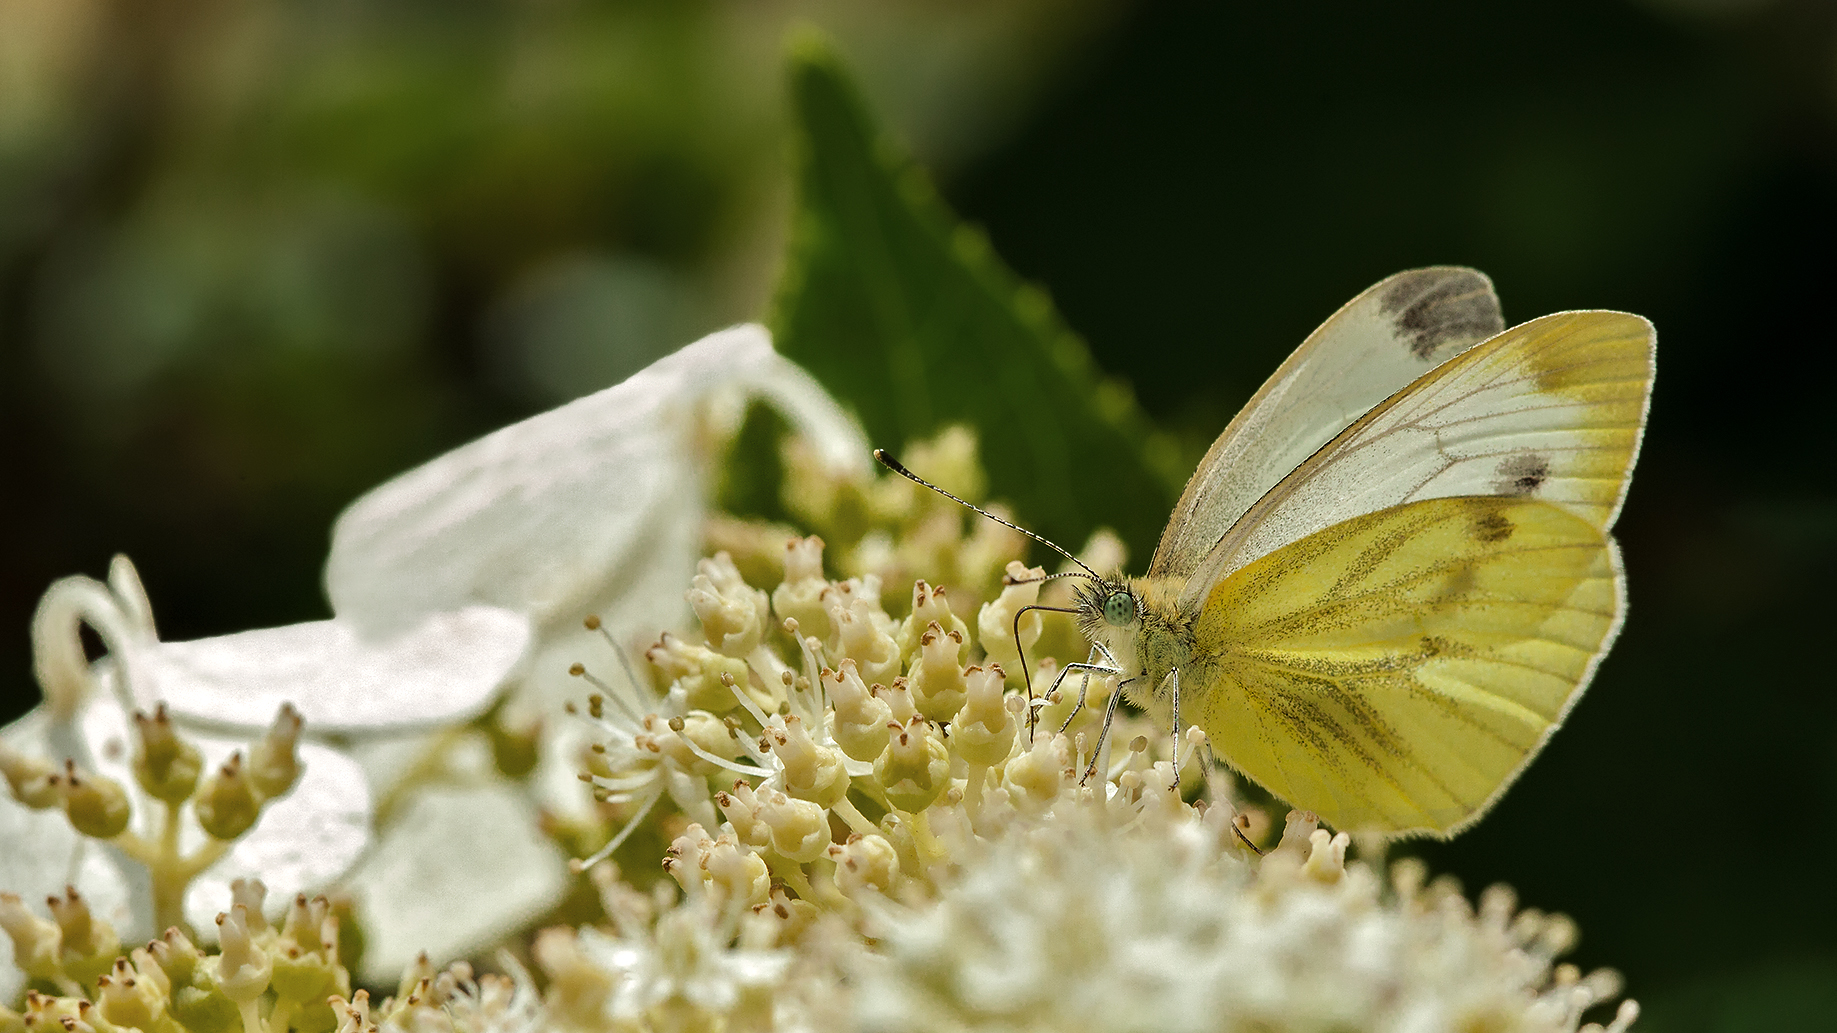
[(1034, 778), (709, 733), (800, 829), (741, 809), (96, 804), (165, 765), (995, 621), (204, 1008), (151, 977), (800, 596), (670, 739), (863, 630), (251, 894), (32, 780), (307, 973), (62, 1014), (899, 700), (983, 731), (125, 1000), (698, 670), (858, 719), (863, 863), (915, 769), (733, 613), (782, 919), (1297, 837), (37, 942), (812, 771), (897, 829), (227, 805), (1326, 856), (176, 956), (721, 865), (354, 1015), (737, 874), (417, 977), (243, 968), (274, 763), (579, 986), (89, 944), (303, 921), (930, 606), (937, 681), (683, 860)]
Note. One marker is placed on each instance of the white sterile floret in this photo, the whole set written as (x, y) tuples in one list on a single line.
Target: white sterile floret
[(304, 810), (450, 584)]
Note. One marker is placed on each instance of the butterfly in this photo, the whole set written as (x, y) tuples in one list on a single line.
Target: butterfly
[(1391, 576)]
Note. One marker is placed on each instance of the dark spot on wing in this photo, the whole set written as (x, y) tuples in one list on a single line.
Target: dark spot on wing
[(1435, 310), (1461, 581), (1521, 474), (1492, 527)]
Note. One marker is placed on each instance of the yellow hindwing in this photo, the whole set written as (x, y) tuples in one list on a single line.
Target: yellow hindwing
[(1394, 672)]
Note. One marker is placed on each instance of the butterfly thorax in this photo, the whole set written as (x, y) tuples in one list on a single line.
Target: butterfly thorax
[(1148, 635)]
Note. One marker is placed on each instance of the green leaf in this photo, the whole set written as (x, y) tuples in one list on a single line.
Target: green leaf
[(910, 317)]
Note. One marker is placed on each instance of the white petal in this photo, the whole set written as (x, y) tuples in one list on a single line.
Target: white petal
[(545, 515), (457, 870), (446, 669)]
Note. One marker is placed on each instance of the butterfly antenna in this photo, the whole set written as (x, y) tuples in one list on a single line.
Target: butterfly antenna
[(894, 465)]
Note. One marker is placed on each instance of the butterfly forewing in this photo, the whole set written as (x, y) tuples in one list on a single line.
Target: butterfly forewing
[(1394, 672), (1377, 343), (1551, 409)]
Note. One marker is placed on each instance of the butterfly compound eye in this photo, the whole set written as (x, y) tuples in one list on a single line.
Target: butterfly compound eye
[(1119, 609)]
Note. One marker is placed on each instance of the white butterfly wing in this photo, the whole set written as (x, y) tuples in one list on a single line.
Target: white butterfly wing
[(1375, 344), (1552, 409)]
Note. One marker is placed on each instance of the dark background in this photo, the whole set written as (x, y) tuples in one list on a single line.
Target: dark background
[(329, 255)]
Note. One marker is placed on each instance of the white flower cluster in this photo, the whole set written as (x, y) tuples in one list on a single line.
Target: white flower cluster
[(1085, 924), (866, 818)]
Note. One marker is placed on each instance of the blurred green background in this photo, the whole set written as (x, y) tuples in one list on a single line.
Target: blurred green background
[(257, 256)]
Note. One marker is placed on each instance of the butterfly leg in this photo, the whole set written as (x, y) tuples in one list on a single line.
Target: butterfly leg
[(1174, 676), (1084, 686), (1103, 735)]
